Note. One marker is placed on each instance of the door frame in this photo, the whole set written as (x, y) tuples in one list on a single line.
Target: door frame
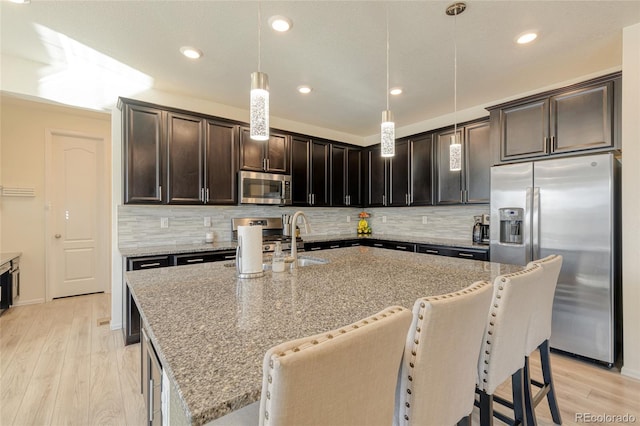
[(103, 236)]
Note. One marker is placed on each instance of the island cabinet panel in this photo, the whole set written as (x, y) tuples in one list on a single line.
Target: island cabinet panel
[(466, 253), (143, 154), (221, 163), (421, 167), (581, 117), (346, 167), (264, 156), (185, 165), (472, 183)]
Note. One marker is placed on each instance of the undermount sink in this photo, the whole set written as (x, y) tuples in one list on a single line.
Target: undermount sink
[(302, 261)]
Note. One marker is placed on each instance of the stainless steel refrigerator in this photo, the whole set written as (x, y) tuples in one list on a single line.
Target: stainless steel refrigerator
[(566, 206)]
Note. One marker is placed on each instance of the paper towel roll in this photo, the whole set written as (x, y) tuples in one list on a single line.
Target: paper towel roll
[(249, 257)]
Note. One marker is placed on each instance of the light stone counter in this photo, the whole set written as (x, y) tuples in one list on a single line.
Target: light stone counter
[(177, 249), (211, 329)]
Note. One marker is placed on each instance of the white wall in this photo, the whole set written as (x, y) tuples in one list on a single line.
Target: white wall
[(24, 125), (631, 199)]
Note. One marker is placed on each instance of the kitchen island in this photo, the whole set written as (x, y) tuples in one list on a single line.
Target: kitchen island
[(210, 329)]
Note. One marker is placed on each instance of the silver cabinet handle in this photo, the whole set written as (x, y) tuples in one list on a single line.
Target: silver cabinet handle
[(150, 396), (465, 254), (309, 199), (57, 235), (432, 251), (377, 245), (229, 256), (264, 164), (315, 248), (336, 246), (401, 248), (150, 265), (202, 194), (160, 192), (195, 260), (206, 197)]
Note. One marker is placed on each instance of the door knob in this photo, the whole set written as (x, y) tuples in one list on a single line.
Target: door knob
[(57, 235)]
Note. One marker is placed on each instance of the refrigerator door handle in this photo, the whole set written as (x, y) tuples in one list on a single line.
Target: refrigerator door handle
[(528, 225), (535, 225)]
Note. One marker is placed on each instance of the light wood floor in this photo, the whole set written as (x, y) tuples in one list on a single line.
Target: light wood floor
[(59, 367)]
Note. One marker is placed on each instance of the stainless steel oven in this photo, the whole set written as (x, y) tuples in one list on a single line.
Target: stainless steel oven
[(264, 188)]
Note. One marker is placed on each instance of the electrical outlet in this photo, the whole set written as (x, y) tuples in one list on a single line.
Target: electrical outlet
[(164, 222), (424, 220), (207, 221), (348, 219), (384, 219)]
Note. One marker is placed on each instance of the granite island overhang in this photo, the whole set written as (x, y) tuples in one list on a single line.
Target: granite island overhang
[(211, 329)]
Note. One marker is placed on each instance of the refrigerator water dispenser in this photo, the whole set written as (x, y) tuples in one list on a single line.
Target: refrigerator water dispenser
[(511, 225)]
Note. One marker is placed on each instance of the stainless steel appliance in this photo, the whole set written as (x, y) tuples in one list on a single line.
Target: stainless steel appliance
[(264, 188), (272, 231), (566, 206), (480, 233)]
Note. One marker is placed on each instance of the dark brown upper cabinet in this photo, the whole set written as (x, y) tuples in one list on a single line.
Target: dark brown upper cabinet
[(402, 180), (310, 172), (221, 163), (472, 183), (264, 156), (143, 154), (173, 157), (346, 181), (185, 165), (576, 118)]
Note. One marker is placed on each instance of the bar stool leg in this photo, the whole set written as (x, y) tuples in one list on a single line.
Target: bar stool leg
[(517, 388), (548, 381), (530, 409), (465, 421), (486, 409)]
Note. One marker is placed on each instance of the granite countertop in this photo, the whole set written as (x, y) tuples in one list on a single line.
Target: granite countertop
[(9, 256), (211, 329), (231, 245)]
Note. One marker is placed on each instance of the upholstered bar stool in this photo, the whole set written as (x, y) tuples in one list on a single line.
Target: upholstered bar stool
[(440, 364), (342, 377), (502, 354), (538, 338)]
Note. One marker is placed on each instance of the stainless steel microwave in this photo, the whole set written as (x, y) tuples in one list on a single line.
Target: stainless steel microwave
[(264, 188)]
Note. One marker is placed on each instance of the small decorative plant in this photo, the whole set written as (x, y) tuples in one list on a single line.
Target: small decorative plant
[(363, 225)]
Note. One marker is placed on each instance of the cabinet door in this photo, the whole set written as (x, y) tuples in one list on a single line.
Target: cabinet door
[(154, 408), (339, 176), (354, 176), (421, 171), (582, 119), (525, 130), (375, 178), (448, 182), (319, 173), (143, 154), (251, 152), (221, 163), (300, 171), (185, 165), (477, 161), (399, 176), (277, 154)]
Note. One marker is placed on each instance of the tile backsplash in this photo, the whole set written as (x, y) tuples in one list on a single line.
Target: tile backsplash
[(139, 226)]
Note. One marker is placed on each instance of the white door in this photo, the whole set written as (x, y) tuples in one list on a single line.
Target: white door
[(75, 200)]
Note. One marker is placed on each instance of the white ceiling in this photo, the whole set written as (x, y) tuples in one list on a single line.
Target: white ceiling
[(337, 47)]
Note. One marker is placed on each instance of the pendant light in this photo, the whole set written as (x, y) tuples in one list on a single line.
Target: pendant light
[(259, 106), (387, 127), (455, 147)]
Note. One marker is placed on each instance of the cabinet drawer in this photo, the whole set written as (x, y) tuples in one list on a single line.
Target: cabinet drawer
[(147, 262), (476, 254), (204, 257)]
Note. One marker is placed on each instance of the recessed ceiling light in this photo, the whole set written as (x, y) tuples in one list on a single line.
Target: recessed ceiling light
[(526, 38), (191, 52), (280, 23), (20, 1), (395, 91), (304, 89)]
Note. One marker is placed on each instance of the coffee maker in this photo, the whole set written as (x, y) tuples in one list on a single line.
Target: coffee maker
[(481, 229)]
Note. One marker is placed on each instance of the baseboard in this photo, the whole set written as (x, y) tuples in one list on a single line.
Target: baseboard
[(626, 371), (115, 325), (29, 302)]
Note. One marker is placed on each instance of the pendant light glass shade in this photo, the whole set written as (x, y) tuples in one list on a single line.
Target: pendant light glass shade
[(455, 154), (259, 107), (387, 135)]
